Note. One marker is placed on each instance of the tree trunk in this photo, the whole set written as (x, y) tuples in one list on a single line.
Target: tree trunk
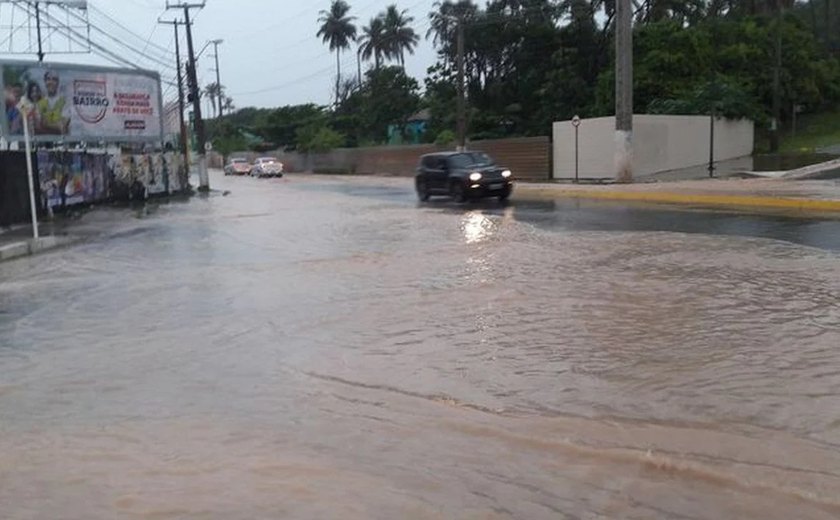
[(337, 74)]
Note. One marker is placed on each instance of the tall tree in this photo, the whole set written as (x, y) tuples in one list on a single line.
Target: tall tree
[(337, 30), (401, 36), (374, 41), (214, 91)]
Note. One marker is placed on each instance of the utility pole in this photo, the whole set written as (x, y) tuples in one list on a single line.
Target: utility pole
[(624, 90), (185, 145), (777, 102), (218, 76), (192, 81), (462, 102)]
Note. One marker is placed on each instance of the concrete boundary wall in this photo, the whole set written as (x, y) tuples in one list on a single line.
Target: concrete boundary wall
[(660, 143), (527, 157)]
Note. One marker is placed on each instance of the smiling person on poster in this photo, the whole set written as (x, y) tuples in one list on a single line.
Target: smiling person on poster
[(53, 108)]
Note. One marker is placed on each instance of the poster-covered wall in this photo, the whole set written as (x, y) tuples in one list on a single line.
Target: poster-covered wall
[(68, 178)]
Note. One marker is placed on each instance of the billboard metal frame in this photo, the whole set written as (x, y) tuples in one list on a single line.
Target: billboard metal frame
[(89, 68)]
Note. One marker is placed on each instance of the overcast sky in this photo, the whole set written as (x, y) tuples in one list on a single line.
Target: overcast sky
[(270, 55)]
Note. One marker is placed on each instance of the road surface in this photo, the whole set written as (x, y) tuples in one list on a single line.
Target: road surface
[(329, 348)]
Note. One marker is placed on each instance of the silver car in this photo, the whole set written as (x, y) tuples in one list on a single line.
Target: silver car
[(267, 167)]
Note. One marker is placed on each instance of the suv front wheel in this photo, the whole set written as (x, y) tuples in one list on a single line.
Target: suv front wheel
[(422, 190), (458, 192)]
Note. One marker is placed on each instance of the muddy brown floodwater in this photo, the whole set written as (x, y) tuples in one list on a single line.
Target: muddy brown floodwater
[(323, 348)]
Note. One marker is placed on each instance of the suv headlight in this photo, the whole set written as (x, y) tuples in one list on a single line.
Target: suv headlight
[(506, 174), (475, 176)]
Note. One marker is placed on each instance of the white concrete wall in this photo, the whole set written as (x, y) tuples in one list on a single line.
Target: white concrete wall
[(660, 143)]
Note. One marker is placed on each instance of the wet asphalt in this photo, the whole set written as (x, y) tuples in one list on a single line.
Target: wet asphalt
[(326, 347)]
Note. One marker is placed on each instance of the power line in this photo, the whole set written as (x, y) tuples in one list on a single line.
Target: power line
[(157, 60), (102, 51), (94, 9), (286, 84)]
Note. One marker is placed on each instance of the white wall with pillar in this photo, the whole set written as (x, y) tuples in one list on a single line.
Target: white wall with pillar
[(660, 143)]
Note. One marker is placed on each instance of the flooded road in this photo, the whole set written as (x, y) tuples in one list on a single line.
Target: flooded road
[(327, 348)]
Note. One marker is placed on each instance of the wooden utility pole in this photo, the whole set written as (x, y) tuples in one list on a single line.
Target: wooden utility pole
[(185, 145), (462, 90), (624, 91), (192, 80)]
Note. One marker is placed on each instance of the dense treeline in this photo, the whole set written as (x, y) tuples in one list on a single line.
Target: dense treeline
[(531, 62)]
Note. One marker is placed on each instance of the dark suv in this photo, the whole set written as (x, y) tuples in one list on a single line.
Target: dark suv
[(463, 176)]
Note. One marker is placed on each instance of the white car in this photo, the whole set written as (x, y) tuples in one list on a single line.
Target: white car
[(267, 167)]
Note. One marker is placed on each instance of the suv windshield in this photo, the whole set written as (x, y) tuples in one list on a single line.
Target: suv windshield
[(470, 159)]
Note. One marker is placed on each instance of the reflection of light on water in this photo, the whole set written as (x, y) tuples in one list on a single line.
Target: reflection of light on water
[(476, 227)]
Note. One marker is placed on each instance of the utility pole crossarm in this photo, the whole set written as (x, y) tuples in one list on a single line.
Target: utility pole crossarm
[(184, 5)]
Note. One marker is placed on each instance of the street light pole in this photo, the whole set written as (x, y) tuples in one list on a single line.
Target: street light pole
[(712, 142), (624, 91), (576, 124), (218, 76), (26, 107), (203, 177), (777, 102)]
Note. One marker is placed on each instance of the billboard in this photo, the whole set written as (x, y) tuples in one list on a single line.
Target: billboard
[(82, 103), (77, 4)]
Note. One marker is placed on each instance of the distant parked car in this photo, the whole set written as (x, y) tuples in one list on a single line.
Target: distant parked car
[(462, 176), (238, 166), (267, 167)]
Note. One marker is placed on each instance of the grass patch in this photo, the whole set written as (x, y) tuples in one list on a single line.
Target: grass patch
[(813, 131)]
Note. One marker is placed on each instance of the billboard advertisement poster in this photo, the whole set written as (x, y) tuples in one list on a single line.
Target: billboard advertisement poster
[(82, 103)]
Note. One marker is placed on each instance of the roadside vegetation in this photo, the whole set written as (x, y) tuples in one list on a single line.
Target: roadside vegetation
[(814, 132), (531, 62)]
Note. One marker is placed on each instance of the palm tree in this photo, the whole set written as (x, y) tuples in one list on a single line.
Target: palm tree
[(444, 20), (401, 37), (338, 31), (214, 91), (374, 42)]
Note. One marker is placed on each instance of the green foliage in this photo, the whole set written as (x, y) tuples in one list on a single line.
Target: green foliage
[(280, 126), (318, 138), (337, 29), (813, 132), (387, 97), (445, 138), (729, 61), (531, 62), (728, 100)]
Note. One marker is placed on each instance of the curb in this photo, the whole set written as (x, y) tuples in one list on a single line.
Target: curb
[(33, 247), (705, 200)]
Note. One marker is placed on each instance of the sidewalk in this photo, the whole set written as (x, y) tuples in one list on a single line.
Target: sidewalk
[(811, 196), (17, 241)]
